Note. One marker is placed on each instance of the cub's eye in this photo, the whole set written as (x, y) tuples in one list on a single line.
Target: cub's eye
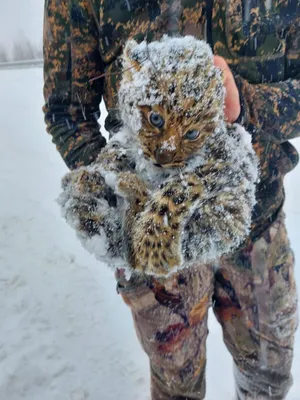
[(192, 134), (156, 120)]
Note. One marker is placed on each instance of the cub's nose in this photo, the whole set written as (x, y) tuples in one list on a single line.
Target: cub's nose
[(163, 156)]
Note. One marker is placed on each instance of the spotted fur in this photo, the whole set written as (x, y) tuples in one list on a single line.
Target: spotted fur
[(177, 201)]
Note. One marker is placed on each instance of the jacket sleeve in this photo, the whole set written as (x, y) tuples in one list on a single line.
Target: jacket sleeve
[(274, 108), (71, 60)]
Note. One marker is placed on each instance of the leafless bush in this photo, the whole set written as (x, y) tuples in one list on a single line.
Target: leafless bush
[(3, 54), (23, 50)]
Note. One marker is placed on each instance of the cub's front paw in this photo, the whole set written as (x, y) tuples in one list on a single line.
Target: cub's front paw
[(87, 182), (155, 244), (89, 207), (133, 189)]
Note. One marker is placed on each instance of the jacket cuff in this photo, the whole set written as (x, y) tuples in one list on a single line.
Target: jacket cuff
[(244, 117)]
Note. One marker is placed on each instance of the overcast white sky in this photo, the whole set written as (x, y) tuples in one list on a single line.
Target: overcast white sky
[(21, 18)]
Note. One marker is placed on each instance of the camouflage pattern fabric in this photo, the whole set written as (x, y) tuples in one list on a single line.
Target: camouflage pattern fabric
[(253, 290), (72, 59), (253, 295), (260, 41)]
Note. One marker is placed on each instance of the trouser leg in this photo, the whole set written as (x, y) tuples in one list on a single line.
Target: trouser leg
[(170, 318), (256, 304)]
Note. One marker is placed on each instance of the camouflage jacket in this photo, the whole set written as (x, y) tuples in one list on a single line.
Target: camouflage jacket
[(260, 40)]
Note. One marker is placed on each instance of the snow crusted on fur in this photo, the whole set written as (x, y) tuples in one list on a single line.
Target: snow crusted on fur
[(220, 219), (231, 188), (226, 202), (161, 61), (107, 244)]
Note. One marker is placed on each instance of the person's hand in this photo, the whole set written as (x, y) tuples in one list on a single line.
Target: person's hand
[(232, 99)]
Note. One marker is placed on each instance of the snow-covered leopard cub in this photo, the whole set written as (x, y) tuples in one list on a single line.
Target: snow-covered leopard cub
[(176, 185)]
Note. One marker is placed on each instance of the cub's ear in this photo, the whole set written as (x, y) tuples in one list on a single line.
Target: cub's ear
[(129, 58), (129, 47)]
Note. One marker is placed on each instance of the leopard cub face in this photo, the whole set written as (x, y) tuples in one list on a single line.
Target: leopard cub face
[(171, 98)]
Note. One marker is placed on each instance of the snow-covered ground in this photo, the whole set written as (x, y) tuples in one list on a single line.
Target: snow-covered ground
[(65, 334)]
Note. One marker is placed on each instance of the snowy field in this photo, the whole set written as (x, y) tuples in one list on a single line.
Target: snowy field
[(65, 333)]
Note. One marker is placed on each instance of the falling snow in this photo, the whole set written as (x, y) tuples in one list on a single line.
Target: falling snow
[(65, 333)]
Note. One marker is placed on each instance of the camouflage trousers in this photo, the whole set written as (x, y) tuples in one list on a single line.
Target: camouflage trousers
[(253, 295)]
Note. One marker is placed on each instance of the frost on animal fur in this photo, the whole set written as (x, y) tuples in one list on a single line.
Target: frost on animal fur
[(175, 186)]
